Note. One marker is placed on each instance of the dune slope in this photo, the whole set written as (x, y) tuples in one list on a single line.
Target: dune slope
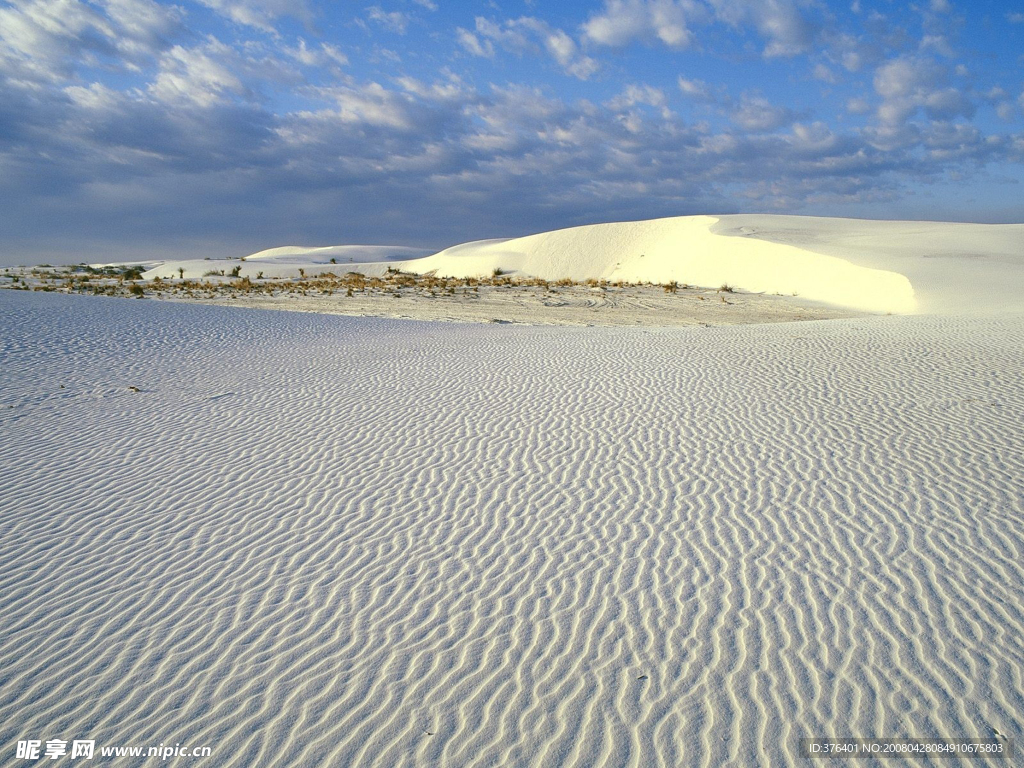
[(682, 249)]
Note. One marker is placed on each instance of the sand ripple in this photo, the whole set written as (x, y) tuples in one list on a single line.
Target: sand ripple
[(313, 540)]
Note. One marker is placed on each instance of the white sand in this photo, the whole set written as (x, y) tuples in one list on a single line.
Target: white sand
[(311, 540), (899, 267), (630, 305), (287, 261), (314, 540)]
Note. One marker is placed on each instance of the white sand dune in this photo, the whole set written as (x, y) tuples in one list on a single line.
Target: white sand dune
[(323, 541), (342, 254), (875, 266), (684, 249), (878, 266), (287, 261)]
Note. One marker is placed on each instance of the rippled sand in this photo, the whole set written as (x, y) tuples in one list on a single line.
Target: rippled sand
[(316, 540)]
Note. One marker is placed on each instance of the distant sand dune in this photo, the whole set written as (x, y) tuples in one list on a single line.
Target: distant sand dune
[(312, 540)]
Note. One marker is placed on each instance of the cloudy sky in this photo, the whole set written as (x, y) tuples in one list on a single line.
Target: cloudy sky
[(134, 128)]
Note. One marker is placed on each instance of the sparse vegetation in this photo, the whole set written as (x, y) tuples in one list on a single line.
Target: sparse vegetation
[(126, 281)]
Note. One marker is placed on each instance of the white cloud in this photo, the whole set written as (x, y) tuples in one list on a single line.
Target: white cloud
[(901, 78), (41, 38), (937, 43), (823, 73), (198, 75), (908, 84), (430, 5), (143, 25), (852, 61), (1015, 17), (524, 34), (450, 91), (622, 21), (260, 14), (474, 44), (95, 96), (851, 52), (371, 104), (756, 113), (816, 137), (695, 89), (780, 22), (45, 40), (858, 106), (322, 55), (638, 94), (564, 50), (395, 21)]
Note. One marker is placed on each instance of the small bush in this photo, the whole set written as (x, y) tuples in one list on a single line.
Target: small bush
[(498, 272), (726, 288), (236, 271), (136, 290)]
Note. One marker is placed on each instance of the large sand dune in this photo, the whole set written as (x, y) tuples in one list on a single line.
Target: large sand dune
[(312, 540), (877, 266)]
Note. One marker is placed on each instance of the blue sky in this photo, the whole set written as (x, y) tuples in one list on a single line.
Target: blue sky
[(134, 129)]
